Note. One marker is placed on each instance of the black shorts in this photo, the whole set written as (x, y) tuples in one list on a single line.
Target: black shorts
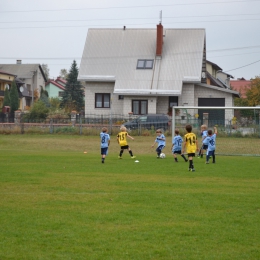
[(177, 152), (191, 154), (104, 151), (204, 146), (125, 147)]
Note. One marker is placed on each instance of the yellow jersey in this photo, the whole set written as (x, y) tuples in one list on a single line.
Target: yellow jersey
[(121, 137), (190, 140)]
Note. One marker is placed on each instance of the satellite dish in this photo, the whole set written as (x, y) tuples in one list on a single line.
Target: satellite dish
[(7, 86), (21, 89), (203, 75)]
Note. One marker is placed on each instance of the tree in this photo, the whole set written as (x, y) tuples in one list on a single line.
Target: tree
[(7, 101), (38, 111), (14, 97), (73, 95), (64, 73), (46, 71), (253, 94)]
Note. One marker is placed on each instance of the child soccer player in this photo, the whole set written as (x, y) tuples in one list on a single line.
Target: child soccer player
[(211, 141), (121, 139), (105, 141), (204, 134), (191, 145), (176, 146), (160, 139)]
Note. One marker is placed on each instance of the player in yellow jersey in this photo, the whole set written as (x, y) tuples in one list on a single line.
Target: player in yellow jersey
[(191, 145), (121, 139)]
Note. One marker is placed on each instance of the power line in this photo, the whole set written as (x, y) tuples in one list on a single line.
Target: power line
[(124, 19), (127, 7), (108, 57), (105, 25), (243, 66)]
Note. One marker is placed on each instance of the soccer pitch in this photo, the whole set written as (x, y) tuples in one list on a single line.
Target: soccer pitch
[(59, 203)]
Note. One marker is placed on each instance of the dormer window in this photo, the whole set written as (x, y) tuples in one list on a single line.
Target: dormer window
[(144, 64)]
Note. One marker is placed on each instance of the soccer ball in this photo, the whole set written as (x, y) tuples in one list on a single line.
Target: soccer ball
[(162, 155)]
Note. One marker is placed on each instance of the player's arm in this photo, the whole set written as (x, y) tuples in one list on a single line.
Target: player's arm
[(197, 144), (215, 130), (130, 137), (117, 138)]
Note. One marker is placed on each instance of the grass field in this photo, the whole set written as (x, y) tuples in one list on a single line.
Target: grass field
[(59, 203)]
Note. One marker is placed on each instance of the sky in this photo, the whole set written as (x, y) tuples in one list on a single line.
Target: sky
[(53, 32)]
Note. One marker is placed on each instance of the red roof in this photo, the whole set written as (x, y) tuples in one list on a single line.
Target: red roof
[(56, 82), (241, 86)]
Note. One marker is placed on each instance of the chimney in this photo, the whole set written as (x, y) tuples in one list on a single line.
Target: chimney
[(18, 61), (159, 42), (124, 28)]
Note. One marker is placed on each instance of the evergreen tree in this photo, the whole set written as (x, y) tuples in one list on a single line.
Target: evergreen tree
[(14, 97), (73, 95), (6, 98)]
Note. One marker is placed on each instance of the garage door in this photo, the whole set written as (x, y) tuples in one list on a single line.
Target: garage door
[(215, 116)]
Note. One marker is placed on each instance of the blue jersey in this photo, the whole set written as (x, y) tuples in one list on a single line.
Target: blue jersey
[(177, 142), (104, 139), (211, 142), (159, 141), (204, 134)]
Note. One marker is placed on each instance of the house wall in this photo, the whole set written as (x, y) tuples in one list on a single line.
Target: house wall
[(53, 91), (162, 105)]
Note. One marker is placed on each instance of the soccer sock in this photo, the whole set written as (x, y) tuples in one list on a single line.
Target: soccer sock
[(183, 156), (213, 158), (191, 163), (131, 153), (121, 152), (176, 160), (103, 159), (207, 158)]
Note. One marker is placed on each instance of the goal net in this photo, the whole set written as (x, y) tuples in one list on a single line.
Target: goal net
[(238, 127)]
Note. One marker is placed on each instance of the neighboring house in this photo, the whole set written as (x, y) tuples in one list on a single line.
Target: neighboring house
[(241, 85), (55, 87), (143, 71), (216, 77), (31, 78), (6, 80)]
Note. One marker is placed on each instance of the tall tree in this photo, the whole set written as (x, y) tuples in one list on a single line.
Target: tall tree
[(73, 95), (6, 97), (46, 70), (253, 94), (14, 97), (64, 73)]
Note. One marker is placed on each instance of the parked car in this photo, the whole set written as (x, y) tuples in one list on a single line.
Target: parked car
[(149, 121)]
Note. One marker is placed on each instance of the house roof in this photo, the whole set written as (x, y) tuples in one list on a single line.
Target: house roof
[(235, 93), (112, 54), (6, 73), (23, 71), (56, 83), (241, 86)]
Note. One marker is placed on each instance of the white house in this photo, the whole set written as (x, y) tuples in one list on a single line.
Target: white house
[(147, 71)]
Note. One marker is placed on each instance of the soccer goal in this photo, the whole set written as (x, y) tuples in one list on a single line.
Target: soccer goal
[(238, 127)]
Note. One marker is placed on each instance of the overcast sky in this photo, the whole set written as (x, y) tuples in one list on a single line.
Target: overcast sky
[(53, 32)]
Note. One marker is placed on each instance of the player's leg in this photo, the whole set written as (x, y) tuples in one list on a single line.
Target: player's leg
[(191, 165), (130, 152), (213, 157), (121, 152), (175, 156)]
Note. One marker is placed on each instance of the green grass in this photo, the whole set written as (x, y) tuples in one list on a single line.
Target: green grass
[(59, 203)]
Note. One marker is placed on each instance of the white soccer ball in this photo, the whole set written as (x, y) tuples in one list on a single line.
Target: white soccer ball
[(162, 155)]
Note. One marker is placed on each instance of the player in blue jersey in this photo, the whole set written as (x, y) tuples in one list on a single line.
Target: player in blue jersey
[(204, 134), (160, 139), (105, 141), (177, 146), (211, 142)]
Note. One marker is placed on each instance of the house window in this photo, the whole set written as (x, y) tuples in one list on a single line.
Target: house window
[(140, 107), (102, 100), (60, 93), (144, 64), (173, 101)]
